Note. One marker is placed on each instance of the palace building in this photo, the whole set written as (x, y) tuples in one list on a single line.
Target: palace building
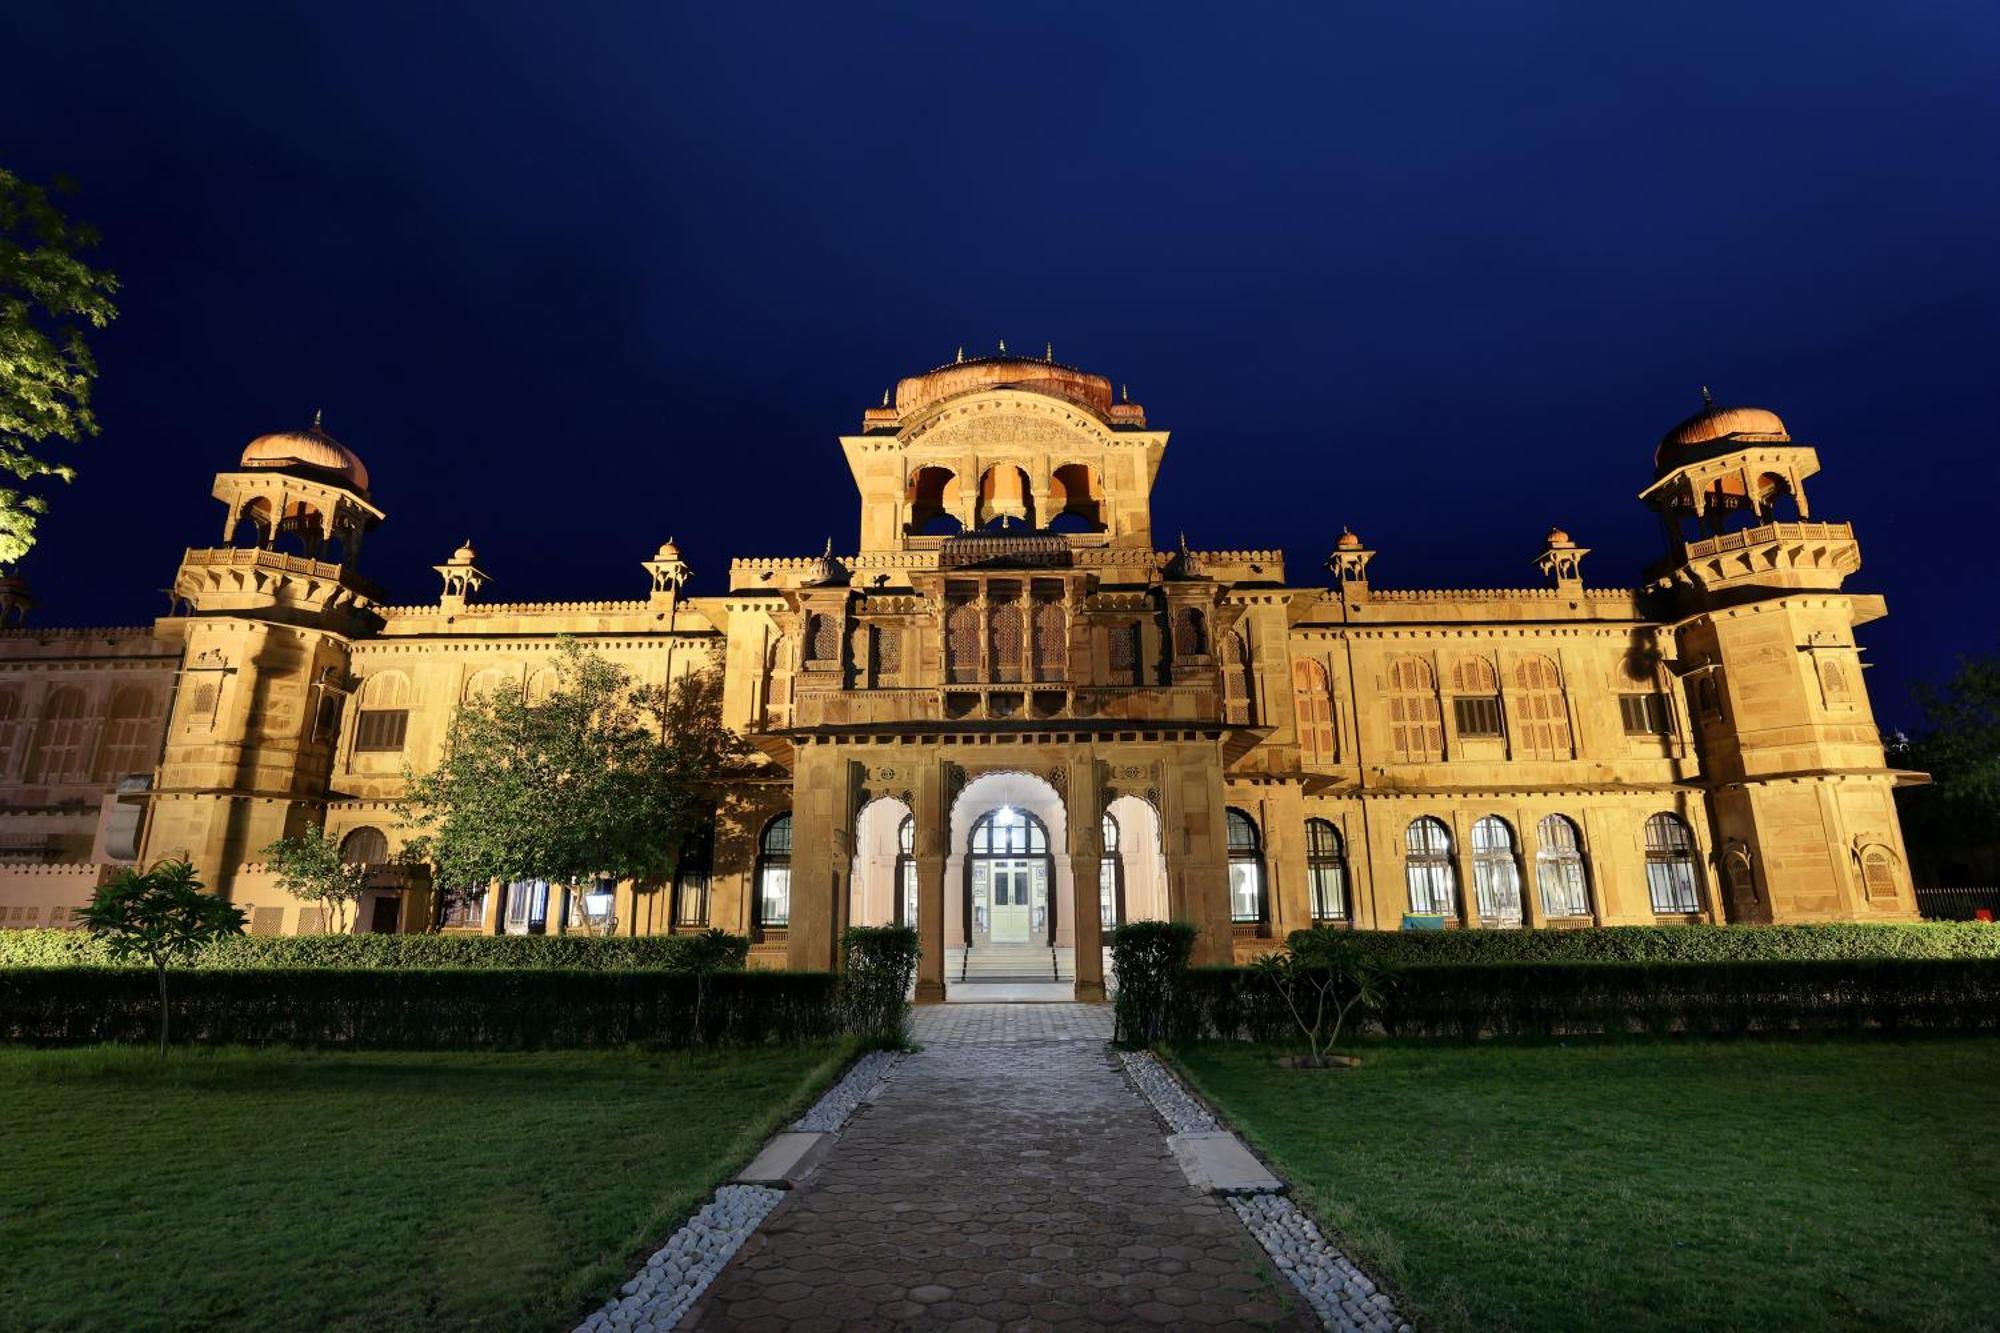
[(1013, 716)]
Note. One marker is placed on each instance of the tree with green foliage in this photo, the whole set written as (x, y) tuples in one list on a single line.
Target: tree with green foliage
[(1323, 978), (309, 868), (49, 300), (160, 915), (1956, 817), (600, 780)]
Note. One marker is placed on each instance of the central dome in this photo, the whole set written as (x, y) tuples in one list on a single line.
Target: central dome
[(311, 448)]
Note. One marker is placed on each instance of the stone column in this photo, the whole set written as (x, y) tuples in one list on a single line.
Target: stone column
[(822, 848), (1531, 880), (1461, 856), (1085, 815), (932, 835)]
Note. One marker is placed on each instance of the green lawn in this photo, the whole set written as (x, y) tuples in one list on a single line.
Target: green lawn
[(1750, 1185), (284, 1189)]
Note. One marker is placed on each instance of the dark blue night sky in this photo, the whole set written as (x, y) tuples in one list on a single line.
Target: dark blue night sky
[(571, 279)]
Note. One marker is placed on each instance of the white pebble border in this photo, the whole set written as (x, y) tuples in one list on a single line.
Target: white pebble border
[(679, 1271), (1341, 1295), (1176, 1105), (830, 1112)]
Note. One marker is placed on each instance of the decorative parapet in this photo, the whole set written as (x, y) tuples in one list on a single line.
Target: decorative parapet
[(478, 609), (72, 631), (1491, 594)]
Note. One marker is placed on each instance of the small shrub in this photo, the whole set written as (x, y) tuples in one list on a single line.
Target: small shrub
[(1322, 982), (875, 987), (1149, 958), (1676, 944)]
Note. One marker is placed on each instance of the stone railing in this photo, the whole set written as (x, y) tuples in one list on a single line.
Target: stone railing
[(1770, 532)]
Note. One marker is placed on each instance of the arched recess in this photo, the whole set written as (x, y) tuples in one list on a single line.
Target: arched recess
[(1076, 499), (1141, 862), (986, 793), (933, 500), (1004, 498), (364, 846), (879, 865), (253, 524)]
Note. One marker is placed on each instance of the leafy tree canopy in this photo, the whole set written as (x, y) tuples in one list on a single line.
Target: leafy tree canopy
[(49, 299), (1959, 747), (600, 779), (309, 868), (161, 915)]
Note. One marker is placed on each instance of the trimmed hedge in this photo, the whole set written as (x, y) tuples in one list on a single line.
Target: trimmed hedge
[(1679, 944), (1470, 1000), (610, 953), (420, 1008)]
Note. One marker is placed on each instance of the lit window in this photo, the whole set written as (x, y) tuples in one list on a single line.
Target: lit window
[(1111, 879), (1246, 870), (774, 874), (1496, 872)]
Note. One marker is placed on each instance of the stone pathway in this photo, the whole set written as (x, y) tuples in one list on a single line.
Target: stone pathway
[(1006, 1176)]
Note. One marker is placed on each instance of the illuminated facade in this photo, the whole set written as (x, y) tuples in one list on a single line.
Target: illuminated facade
[(1011, 717)]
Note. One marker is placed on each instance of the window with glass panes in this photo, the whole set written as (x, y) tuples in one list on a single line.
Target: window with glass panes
[(1670, 867), (1246, 870), (774, 873), (1559, 869), (1111, 879), (1496, 872), (1427, 866), (1326, 870)]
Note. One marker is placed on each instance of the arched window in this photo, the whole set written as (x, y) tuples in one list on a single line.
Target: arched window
[(906, 871), (1541, 716), (485, 683), (1427, 866), (1833, 685), (1496, 872), (1125, 654), (1416, 733), (1475, 704), (1671, 876), (1190, 632), (364, 846), (1708, 697), (1878, 873), (1246, 870), (131, 735), (543, 684), (774, 874), (1313, 704), (384, 718), (1234, 655), (1326, 870), (1074, 493), (886, 653), (62, 741), (1559, 869), (694, 875), (1111, 878)]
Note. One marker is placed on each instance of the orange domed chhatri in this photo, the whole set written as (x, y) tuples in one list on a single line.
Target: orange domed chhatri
[(312, 448), (1714, 423)]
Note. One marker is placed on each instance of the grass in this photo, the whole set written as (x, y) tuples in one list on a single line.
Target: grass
[(280, 1189), (1637, 1185)]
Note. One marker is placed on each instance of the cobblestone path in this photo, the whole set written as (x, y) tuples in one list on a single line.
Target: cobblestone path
[(1007, 1177)]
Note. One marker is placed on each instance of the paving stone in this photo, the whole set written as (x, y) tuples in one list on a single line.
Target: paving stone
[(1035, 1188)]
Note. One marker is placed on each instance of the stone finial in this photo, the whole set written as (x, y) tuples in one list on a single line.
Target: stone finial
[(1349, 564), (463, 578), (826, 570), (667, 571), (1003, 347), (1561, 559)]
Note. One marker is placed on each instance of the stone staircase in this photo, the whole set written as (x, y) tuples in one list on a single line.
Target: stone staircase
[(1010, 964)]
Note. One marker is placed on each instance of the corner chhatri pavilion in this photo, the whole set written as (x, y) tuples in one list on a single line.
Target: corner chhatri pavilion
[(1010, 717)]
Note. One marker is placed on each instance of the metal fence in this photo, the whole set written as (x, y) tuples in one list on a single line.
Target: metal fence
[(1939, 904)]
